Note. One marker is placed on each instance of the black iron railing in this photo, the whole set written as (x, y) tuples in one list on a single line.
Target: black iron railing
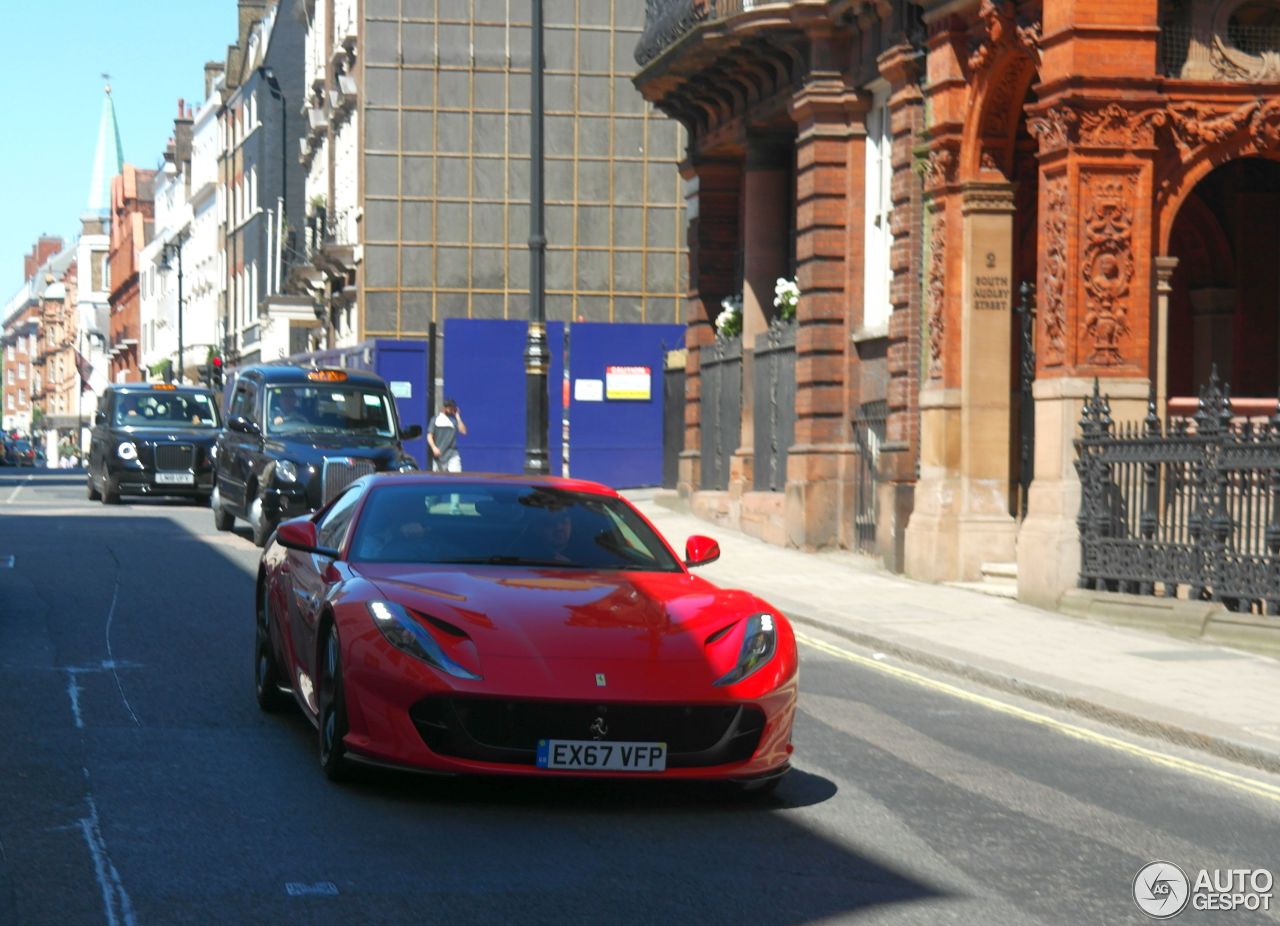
[(667, 21), (1191, 510), (721, 410), (774, 390), (868, 436)]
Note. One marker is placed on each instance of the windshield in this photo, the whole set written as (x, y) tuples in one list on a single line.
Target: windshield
[(501, 525), (329, 409), (165, 410)]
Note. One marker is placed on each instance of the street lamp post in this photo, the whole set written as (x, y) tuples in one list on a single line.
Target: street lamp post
[(170, 249), (535, 351)]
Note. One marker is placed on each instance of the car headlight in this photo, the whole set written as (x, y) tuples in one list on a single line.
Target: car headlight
[(407, 465), (405, 633), (127, 450), (758, 645), (286, 471)]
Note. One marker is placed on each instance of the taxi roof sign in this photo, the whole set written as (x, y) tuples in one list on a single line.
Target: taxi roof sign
[(164, 387), (327, 376)]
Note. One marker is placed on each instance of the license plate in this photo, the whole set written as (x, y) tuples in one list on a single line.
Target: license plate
[(590, 755), (175, 479)]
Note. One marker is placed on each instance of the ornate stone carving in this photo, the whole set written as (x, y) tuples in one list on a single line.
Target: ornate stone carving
[(1052, 128), (1053, 273), (1196, 125), (1116, 126), (939, 168), (1107, 265), (1003, 31), (937, 292)]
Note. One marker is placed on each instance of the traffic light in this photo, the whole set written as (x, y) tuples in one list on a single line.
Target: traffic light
[(215, 372)]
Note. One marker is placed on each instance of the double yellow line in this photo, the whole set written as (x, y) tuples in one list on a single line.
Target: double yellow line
[(1258, 788)]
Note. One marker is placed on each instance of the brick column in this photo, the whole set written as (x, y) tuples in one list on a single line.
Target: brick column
[(765, 201), (711, 196), (830, 179), (901, 66)]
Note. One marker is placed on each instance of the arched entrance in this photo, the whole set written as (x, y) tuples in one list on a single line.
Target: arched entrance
[(1224, 301)]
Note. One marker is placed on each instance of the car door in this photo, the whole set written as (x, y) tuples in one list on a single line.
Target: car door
[(237, 450), (98, 435), (312, 581)]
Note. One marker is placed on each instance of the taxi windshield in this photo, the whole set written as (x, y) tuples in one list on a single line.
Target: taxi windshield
[(165, 410), (334, 409)]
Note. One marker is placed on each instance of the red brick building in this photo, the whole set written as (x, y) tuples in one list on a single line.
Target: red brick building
[(20, 338), (1118, 155), (132, 213)]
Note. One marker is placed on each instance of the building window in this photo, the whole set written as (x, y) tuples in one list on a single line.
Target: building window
[(876, 306), (22, 371)]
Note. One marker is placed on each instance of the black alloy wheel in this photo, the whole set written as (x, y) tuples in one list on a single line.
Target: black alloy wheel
[(266, 670), (332, 711)]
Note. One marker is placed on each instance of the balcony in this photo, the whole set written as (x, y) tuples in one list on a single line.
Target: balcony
[(666, 22)]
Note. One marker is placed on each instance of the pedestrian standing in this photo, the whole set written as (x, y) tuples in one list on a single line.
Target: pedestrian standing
[(443, 438)]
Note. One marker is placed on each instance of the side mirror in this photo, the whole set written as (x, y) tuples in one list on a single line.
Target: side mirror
[(243, 425), (300, 534), (412, 432), (99, 417), (699, 551)]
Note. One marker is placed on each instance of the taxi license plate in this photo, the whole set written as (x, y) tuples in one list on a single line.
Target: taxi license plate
[(591, 755), (175, 479)]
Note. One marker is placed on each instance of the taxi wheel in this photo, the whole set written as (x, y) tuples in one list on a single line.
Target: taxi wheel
[(332, 712), (222, 520), (266, 671), (110, 496), (262, 526), (93, 492)]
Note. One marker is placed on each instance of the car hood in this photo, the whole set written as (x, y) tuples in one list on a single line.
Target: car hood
[(314, 447), (568, 614), (161, 433)]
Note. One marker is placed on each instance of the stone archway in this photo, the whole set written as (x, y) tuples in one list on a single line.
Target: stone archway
[(1224, 300), (979, 248)]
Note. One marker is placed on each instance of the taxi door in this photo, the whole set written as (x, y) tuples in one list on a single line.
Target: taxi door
[(237, 450)]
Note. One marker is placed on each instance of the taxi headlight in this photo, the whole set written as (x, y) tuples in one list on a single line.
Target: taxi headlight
[(405, 633), (127, 451), (286, 471), (408, 465), (758, 645)]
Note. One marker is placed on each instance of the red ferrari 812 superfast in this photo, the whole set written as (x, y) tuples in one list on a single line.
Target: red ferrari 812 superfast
[(465, 624)]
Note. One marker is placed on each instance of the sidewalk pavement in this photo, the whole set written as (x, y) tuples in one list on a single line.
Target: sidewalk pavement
[(1195, 694)]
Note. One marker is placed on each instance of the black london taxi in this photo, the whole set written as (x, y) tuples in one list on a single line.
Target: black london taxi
[(152, 439), (295, 437)]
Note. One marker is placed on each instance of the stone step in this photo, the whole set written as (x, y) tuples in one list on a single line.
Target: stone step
[(996, 588), (1000, 571)]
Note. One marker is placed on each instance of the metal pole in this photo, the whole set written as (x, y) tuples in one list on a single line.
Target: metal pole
[(535, 351), (181, 368)]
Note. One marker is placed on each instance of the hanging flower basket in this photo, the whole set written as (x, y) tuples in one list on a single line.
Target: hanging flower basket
[(786, 296), (729, 321)]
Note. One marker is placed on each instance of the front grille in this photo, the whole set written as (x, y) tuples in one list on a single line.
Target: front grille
[(496, 730), (340, 472), (175, 457)]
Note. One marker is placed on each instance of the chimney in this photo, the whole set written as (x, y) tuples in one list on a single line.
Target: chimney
[(182, 136), (212, 71), (45, 247)]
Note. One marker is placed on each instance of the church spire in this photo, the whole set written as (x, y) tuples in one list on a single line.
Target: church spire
[(108, 158)]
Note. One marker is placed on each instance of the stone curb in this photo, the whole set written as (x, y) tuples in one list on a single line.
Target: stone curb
[(1220, 746)]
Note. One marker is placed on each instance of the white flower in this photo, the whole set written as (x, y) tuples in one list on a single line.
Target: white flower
[(786, 296)]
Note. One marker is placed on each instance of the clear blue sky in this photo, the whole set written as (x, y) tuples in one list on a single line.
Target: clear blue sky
[(52, 91)]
